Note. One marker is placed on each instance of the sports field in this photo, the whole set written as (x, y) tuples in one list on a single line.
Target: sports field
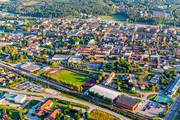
[(163, 99), (69, 77)]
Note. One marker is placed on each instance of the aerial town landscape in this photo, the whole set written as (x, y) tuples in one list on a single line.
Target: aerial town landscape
[(89, 67)]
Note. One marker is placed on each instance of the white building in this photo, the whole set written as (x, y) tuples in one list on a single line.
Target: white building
[(17, 98), (108, 93)]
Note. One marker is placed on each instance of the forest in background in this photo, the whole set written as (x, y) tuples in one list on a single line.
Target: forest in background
[(128, 9)]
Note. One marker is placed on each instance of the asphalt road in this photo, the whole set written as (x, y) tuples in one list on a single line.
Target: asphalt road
[(173, 110), (91, 106)]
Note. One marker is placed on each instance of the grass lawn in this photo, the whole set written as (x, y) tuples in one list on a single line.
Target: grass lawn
[(100, 115), (177, 116), (31, 104), (64, 103), (69, 78), (38, 72), (114, 17), (151, 96)]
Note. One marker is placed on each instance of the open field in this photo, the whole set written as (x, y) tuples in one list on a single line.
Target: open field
[(114, 17), (30, 3), (68, 77), (100, 115)]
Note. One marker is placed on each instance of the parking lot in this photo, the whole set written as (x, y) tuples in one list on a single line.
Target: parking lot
[(27, 85), (150, 108)]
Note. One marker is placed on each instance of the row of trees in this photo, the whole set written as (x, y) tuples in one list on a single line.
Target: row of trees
[(121, 66), (102, 97), (14, 57)]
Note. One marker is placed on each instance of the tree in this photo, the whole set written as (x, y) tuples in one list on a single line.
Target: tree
[(97, 81), (52, 52), (77, 116), (111, 101), (153, 88), (45, 51), (162, 81), (174, 72), (118, 58), (103, 74), (4, 111), (87, 115), (87, 67), (20, 115), (1, 51), (54, 64), (100, 78), (20, 44), (59, 116), (146, 73), (5, 70), (149, 77), (66, 118), (138, 78)]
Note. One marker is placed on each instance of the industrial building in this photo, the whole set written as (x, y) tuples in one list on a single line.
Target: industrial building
[(17, 98), (102, 91), (127, 102)]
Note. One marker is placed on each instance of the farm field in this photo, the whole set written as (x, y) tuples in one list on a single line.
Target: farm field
[(100, 115), (69, 77), (114, 17)]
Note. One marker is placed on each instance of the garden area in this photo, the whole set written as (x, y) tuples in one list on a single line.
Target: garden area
[(100, 115)]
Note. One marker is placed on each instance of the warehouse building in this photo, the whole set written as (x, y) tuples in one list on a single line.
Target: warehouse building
[(102, 91), (17, 98), (127, 102)]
